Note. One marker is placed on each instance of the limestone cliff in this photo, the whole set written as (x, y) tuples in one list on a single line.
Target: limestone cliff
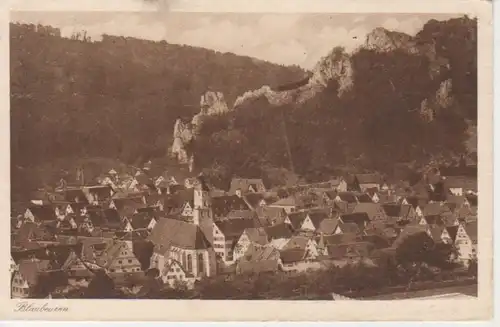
[(211, 103)]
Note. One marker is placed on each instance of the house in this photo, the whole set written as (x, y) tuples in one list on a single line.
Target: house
[(435, 209), (365, 198), (221, 206), (142, 221), (77, 268), (119, 258), (449, 234), (339, 184), (174, 274), (299, 255), (40, 213), (399, 211), (74, 194), (31, 232), (108, 219), (375, 211), (258, 200), (279, 234), (254, 235), (417, 204), (362, 182), (296, 219), (186, 243), (348, 197), (431, 220), (347, 228), (328, 226), (243, 214), (313, 220), (259, 259), (128, 206), (240, 186), (97, 194), (226, 235), (466, 242), (410, 230), (458, 201), (290, 204), (76, 208), (373, 194), (303, 242), (436, 233), (25, 278), (361, 219), (461, 185), (348, 253), (269, 216)]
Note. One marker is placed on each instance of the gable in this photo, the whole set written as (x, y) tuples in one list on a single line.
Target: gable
[(187, 210), (307, 224)]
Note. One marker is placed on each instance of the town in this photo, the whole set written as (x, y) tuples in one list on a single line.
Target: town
[(171, 226)]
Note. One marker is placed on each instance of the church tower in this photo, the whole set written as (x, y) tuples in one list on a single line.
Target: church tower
[(202, 217)]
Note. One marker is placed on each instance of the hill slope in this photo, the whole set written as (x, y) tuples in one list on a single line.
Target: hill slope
[(116, 98), (396, 99)]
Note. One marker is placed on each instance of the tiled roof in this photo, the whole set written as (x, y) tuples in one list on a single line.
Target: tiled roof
[(243, 184), (348, 197), (297, 242), (340, 238), (31, 270), (233, 228), (317, 217), (43, 212), (471, 229), (452, 231), (292, 255), (223, 205), (253, 199), (407, 231), (368, 178), (358, 218), (434, 208), (257, 235), (371, 209), (328, 226), (279, 231), (270, 215), (297, 218), (168, 232), (349, 228), (140, 221)]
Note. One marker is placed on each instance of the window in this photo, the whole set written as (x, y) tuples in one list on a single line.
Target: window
[(129, 260), (201, 263), (112, 270), (184, 263), (189, 262), (119, 261)]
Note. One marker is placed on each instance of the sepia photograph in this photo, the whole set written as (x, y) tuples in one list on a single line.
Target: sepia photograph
[(243, 156)]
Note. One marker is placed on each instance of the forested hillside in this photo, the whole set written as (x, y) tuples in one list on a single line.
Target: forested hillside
[(396, 99), (118, 97)]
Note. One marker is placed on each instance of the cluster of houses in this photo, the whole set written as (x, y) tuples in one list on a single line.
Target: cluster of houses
[(193, 230)]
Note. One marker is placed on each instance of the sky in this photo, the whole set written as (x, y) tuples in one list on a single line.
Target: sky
[(283, 38)]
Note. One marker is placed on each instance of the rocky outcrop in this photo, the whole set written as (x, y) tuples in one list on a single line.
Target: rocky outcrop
[(382, 40), (336, 65), (183, 135), (442, 100), (213, 103)]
